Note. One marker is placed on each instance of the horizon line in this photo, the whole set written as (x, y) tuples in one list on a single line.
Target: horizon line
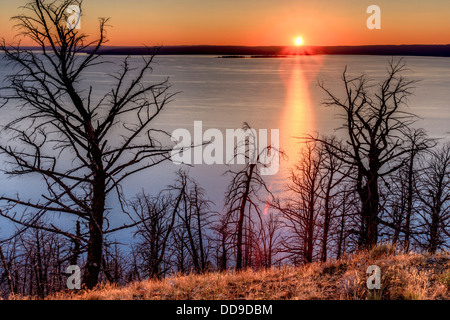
[(435, 50)]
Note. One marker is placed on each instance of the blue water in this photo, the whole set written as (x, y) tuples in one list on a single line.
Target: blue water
[(266, 93)]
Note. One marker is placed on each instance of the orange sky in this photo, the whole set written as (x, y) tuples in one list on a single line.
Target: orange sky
[(259, 23)]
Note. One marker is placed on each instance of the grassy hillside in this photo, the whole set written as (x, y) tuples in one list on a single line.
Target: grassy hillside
[(411, 276)]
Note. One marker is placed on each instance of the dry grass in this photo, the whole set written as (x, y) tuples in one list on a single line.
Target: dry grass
[(411, 276)]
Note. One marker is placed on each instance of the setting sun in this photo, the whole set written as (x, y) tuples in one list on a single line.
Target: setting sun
[(298, 41)]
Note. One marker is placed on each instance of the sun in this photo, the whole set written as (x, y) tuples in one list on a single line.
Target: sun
[(298, 41)]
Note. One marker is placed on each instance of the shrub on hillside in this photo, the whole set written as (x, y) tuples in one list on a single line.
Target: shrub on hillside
[(382, 250)]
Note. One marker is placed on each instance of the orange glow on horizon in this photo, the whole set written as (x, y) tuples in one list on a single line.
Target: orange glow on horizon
[(252, 23)]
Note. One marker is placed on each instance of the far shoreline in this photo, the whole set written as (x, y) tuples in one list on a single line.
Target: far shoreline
[(279, 51), (274, 51)]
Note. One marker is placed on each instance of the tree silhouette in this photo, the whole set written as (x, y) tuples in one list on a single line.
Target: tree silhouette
[(435, 199), (82, 147), (374, 121)]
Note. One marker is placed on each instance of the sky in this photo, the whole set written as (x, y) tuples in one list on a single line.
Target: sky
[(258, 22)]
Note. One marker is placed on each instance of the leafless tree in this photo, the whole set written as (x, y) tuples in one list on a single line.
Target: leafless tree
[(403, 188), (155, 234), (7, 272), (194, 215), (302, 206), (34, 263), (174, 233), (115, 264), (267, 240), (374, 122), (243, 199), (223, 243), (82, 147), (346, 226), (435, 199), (333, 175)]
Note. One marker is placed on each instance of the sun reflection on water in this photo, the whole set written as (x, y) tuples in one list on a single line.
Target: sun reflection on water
[(297, 119)]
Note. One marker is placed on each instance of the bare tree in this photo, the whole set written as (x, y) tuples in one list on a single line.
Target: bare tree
[(6, 265), (267, 240), (332, 176), (403, 187), (242, 198), (302, 206), (345, 220), (223, 243), (435, 198), (159, 216), (33, 264), (198, 219), (374, 123), (83, 148), (194, 215), (114, 264), (174, 233), (244, 208)]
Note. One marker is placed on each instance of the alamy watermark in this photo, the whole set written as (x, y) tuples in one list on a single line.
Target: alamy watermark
[(374, 20), (237, 146), (374, 279), (74, 280)]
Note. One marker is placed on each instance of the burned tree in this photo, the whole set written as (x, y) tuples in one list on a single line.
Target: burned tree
[(223, 243), (193, 220), (32, 264), (267, 240), (333, 175), (173, 235), (435, 200), (301, 209), (155, 233), (404, 189), (195, 217), (82, 147), (242, 198), (374, 121)]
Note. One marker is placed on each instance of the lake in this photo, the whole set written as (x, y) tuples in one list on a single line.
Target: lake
[(266, 93)]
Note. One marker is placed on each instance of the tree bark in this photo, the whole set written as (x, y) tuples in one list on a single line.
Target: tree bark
[(240, 226), (95, 243)]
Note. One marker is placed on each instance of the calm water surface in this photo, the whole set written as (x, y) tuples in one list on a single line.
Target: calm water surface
[(267, 94)]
